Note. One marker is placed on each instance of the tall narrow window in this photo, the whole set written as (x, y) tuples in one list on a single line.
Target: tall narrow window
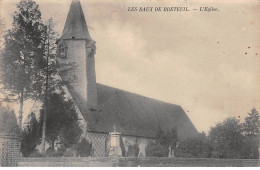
[(63, 50), (61, 47)]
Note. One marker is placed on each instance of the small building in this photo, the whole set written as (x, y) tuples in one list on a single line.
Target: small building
[(137, 118)]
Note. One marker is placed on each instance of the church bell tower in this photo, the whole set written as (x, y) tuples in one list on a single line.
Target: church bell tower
[(75, 53)]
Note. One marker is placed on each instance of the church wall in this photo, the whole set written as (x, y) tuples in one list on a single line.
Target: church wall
[(141, 141), (100, 143)]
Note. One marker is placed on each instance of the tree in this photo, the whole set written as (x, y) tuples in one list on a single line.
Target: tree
[(251, 128), (61, 120), (227, 139), (50, 49), (171, 138), (84, 148), (155, 150), (133, 150), (162, 143), (8, 122), (250, 148), (122, 146), (23, 52), (2, 31), (30, 136), (198, 147)]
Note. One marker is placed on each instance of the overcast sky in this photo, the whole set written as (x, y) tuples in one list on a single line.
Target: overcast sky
[(207, 62)]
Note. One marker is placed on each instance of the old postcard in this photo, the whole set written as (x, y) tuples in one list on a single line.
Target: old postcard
[(130, 83)]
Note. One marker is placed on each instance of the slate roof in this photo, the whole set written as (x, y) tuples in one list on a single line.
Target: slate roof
[(75, 26), (134, 115)]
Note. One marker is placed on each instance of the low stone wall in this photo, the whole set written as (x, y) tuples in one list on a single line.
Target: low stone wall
[(187, 162), (135, 162), (9, 149), (65, 162)]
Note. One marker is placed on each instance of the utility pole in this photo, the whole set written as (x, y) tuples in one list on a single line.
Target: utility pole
[(46, 94), (20, 118)]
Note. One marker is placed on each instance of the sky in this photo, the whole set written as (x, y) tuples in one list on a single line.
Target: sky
[(207, 62)]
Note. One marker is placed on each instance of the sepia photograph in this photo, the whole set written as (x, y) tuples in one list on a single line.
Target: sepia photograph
[(129, 83)]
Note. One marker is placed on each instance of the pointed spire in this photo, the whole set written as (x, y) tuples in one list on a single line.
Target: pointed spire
[(76, 26)]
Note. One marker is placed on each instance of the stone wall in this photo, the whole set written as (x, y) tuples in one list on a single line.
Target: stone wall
[(65, 162), (9, 149), (135, 162), (187, 162)]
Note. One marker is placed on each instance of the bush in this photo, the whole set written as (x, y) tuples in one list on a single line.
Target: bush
[(61, 150), (70, 152), (35, 154), (122, 146), (30, 136), (197, 147), (84, 148), (227, 140), (156, 150), (8, 122), (161, 146), (51, 152), (133, 150)]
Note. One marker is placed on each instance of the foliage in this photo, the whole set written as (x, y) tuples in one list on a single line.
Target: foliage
[(163, 141), (156, 150), (51, 152), (2, 31), (170, 139), (251, 128), (229, 139), (70, 152), (198, 147), (62, 121), (8, 122), (84, 148), (250, 148), (22, 55), (122, 146), (35, 154), (133, 150), (61, 149), (30, 136), (226, 139), (48, 82), (23, 52)]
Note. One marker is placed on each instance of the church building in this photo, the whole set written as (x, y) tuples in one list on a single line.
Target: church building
[(100, 107)]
